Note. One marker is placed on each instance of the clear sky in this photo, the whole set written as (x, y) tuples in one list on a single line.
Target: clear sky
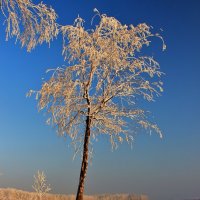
[(167, 169)]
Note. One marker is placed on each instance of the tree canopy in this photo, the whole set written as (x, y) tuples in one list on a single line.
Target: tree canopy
[(105, 74)]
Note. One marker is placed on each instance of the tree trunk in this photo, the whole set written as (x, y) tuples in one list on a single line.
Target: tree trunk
[(84, 165)]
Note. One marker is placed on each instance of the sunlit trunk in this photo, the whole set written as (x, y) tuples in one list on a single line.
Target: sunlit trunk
[(84, 165)]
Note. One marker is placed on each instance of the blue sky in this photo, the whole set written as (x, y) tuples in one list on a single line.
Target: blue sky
[(167, 169)]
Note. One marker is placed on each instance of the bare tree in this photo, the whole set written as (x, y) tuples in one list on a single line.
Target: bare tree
[(40, 184), (30, 23), (100, 87)]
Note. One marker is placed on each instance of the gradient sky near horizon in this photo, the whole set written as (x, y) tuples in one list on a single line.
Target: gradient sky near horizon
[(167, 169)]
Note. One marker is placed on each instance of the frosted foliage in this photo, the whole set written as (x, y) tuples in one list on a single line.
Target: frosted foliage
[(106, 75), (30, 23), (13, 194)]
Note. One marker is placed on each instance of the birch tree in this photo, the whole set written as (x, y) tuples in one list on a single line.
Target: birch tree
[(30, 23), (97, 91), (40, 184)]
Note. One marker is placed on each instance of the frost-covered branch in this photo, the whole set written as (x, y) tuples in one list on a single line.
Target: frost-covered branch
[(30, 23)]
